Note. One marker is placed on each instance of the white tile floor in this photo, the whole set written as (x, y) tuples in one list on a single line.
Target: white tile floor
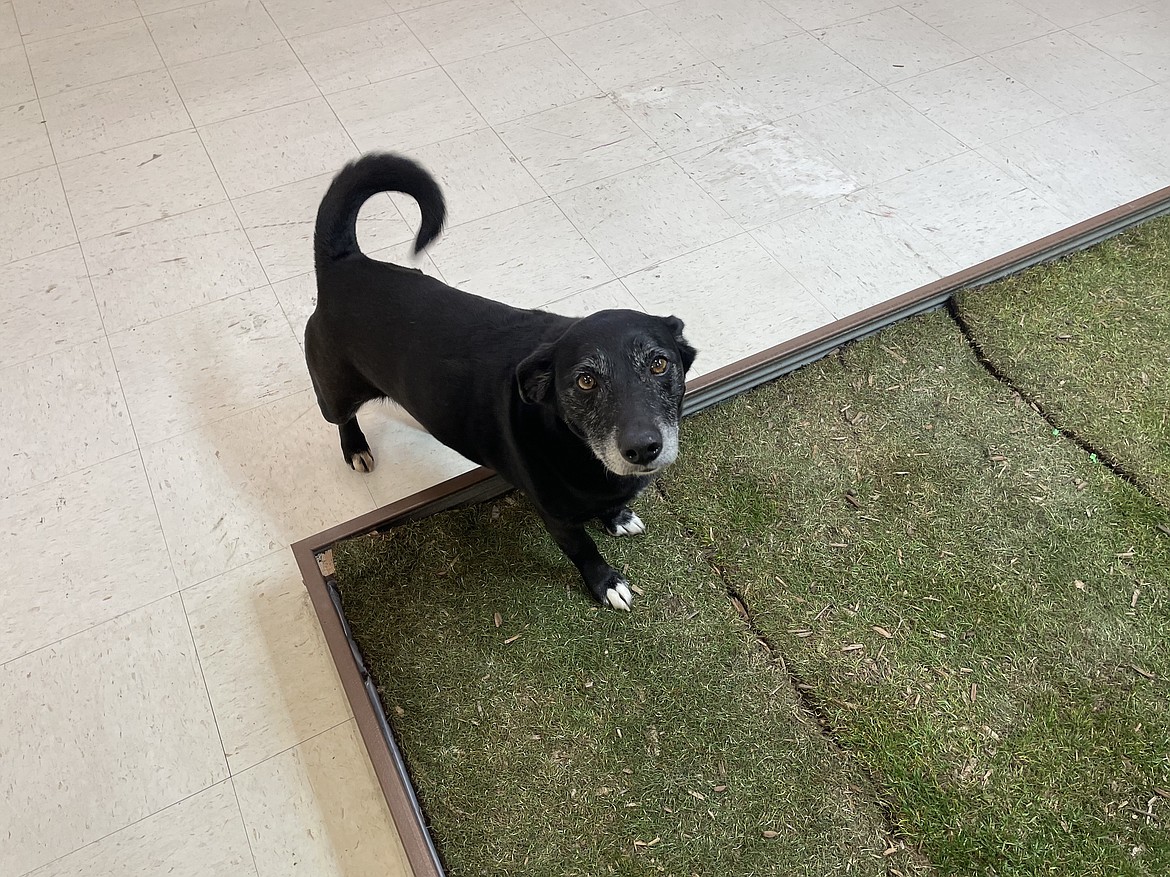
[(759, 167)]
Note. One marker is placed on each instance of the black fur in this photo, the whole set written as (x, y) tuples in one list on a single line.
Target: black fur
[(500, 385)]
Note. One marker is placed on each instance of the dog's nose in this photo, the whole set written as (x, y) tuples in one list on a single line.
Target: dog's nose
[(642, 447)]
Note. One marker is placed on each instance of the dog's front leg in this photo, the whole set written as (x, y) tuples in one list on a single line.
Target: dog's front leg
[(606, 584)]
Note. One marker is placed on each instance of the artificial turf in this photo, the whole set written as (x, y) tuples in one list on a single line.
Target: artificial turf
[(548, 736), (893, 622), (1088, 339), (981, 610)]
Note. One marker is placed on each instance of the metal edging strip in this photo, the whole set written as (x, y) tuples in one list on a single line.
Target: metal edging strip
[(480, 484)]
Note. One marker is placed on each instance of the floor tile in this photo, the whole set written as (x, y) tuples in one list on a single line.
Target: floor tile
[(92, 56), (95, 747), (227, 494), (359, 54), (479, 177), (200, 835), (1079, 171), (317, 809), (597, 298), (124, 187), (766, 174), (44, 19), (171, 265), (461, 29), (1070, 13), (207, 364), (151, 7), (645, 216), (627, 50), (811, 14), (727, 27), (279, 222), (9, 29), (892, 45), (1138, 123), (1139, 38), (976, 102), (578, 143), (520, 81), (16, 82), (692, 107), (969, 209), (876, 136), (24, 144), (242, 82), (62, 412), (277, 146), (34, 217), (557, 16), (525, 256), (48, 305), (192, 33), (298, 298), (984, 26), (794, 75), (1068, 71), (851, 253), (271, 679), (297, 18), (753, 290), (87, 547), (405, 113), (100, 117)]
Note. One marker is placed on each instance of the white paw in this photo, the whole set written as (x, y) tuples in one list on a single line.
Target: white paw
[(619, 596), (628, 525), (363, 461)]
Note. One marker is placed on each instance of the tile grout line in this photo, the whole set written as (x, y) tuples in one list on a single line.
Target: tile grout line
[(206, 689), (113, 359), (219, 732), (182, 601), (90, 627), (227, 196), (495, 127), (179, 589), (243, 821), (500, 139), (128, 825)]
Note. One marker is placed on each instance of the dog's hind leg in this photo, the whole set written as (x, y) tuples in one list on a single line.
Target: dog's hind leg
[(354, 446), (622, 522), (341, 391)]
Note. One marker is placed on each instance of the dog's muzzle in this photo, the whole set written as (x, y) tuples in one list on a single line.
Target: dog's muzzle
[(641, 451)]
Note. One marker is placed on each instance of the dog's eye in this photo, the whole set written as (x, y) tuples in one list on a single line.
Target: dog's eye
[(586, 382), (658, 365)]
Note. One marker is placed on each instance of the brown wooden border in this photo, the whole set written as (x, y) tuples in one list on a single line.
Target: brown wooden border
[(481, 484)]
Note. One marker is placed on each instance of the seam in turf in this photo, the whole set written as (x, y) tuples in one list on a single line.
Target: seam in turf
[(809, 703), (1100, 455)]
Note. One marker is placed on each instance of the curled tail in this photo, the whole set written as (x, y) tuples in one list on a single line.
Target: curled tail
[(335, 236)]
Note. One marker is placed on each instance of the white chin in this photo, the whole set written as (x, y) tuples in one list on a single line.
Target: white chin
[(613, 460)]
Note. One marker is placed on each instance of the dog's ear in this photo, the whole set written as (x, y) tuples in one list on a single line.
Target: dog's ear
[(534, 375), (688, 353)]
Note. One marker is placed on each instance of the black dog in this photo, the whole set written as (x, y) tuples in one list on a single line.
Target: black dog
[(577, 413)]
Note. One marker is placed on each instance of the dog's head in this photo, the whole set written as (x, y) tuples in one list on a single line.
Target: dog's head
[(616, 378)]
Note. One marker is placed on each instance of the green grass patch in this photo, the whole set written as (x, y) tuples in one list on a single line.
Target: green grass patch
[(580, 741), (976, 604), (977, 609), (1088, 338)]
